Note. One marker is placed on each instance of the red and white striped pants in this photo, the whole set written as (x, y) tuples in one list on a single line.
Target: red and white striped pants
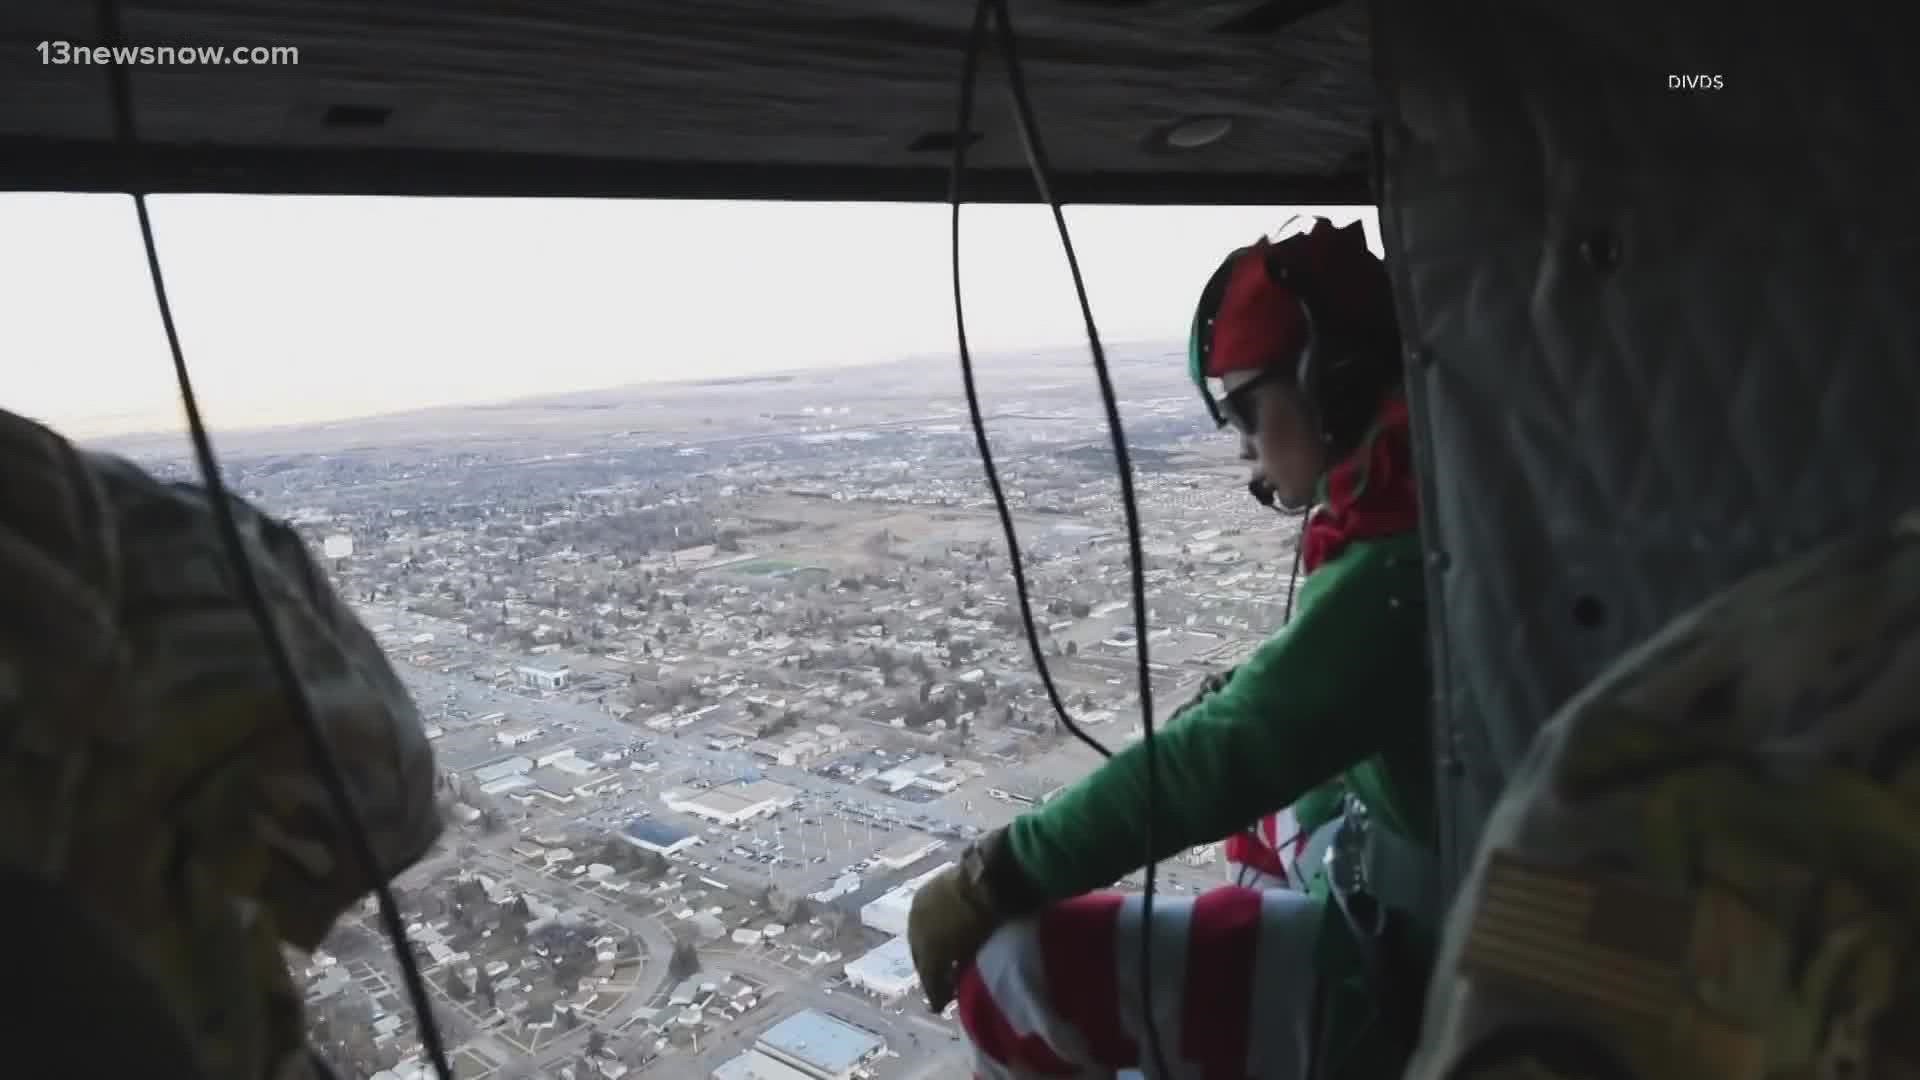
[(1267, 855), (1058, 994)]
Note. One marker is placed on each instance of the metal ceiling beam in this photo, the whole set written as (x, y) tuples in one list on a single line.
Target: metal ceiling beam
[(60, 165)]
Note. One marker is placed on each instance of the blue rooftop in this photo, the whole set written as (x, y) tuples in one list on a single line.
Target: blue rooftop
[(819, 1040), (655, 832)]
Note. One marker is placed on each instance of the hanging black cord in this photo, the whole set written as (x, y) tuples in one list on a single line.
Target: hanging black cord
[(324, 761), (1293, 579), (1042, 174), (976, 40), (1136, 560)]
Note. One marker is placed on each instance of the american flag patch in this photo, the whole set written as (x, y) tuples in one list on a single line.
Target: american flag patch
[(1617, 945)]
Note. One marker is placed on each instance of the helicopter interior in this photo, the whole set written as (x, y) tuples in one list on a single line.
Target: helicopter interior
[(1650, 258)]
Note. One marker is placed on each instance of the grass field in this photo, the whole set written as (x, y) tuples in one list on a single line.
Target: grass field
[(760, 567)]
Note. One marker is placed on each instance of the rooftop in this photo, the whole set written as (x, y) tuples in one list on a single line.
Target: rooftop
[(910, 847), (500, 770), (737, 798), (762, 790), (658, 833), (718, 800), (829, 1045), (900, 897), (754, 1065), (1028, 785), (890, 963)]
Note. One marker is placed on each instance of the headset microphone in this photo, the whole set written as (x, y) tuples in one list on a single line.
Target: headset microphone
[(1262, 492)]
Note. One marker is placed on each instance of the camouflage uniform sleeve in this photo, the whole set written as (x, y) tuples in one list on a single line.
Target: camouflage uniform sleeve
[(117, 814), (202, 663)]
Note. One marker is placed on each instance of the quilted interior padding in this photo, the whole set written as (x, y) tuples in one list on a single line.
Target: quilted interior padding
[(1664, 336)]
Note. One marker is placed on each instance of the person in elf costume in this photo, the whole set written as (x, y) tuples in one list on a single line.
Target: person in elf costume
[(1300, 338), (1279, 851)]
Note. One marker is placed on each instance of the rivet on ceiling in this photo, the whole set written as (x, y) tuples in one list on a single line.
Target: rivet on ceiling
[(358, 116), (1189, 134), (938, 141), (1272, 16)]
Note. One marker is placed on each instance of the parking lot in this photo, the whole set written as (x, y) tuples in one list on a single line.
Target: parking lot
[(832, 828)]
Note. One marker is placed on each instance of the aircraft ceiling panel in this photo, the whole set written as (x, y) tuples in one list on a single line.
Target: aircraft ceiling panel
[(843, 99)]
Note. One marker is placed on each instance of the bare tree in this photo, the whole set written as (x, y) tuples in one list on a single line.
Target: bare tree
[(685, 961)]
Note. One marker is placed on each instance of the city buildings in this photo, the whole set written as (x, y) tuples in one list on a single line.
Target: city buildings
[(1022, 789), (511, 737), (503, 769), (819, 1046), (888, 914), (886, 972), (658, 837), (804, 747), (586, 635), (754, 1065), (907, 851), (540, 678), (928, 772), (730, 804)]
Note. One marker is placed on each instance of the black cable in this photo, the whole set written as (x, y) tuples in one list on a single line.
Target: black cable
[(1042, 175), (1123, 462), (976, 38), (322, 754), (1293, 578)]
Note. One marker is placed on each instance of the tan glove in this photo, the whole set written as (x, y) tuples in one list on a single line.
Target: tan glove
[(955, 913)]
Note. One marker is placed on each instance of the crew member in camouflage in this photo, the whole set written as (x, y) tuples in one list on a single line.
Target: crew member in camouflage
[(153, 772), (1709, 865)]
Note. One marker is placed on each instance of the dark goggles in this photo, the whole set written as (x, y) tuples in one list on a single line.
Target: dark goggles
[(1241, 407)]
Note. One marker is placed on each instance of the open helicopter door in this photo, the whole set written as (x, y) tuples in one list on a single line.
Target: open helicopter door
[(1656, 264)]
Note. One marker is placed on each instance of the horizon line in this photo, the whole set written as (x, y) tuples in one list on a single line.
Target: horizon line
[(75, 429)]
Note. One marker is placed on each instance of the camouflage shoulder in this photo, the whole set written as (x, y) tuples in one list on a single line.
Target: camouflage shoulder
[(203, 664), (86, 806), (59, 558), (1709, 864)]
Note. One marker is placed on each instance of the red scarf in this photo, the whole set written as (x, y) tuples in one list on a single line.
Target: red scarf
[(1371, 494)]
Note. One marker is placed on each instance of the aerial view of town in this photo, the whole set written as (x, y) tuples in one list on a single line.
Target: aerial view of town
[(717, 673)]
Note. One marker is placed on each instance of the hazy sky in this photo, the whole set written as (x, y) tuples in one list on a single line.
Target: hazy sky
[(317, 308)]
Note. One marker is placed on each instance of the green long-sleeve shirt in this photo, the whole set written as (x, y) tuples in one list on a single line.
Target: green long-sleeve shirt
[(1341, 692)]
